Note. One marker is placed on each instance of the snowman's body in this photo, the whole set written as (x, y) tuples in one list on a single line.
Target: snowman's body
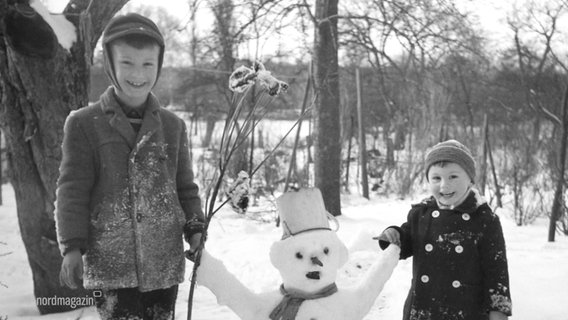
[(307, 262)]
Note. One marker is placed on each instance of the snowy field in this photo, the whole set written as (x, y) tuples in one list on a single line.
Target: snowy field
[(538, 269)]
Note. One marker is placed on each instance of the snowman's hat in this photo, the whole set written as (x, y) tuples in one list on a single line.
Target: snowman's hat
[(302, 211)]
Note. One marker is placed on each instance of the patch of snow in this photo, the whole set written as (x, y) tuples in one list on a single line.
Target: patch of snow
[(538, 285), (64, 30)]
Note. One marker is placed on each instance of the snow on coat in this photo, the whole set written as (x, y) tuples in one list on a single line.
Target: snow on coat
[(293, 258), (459, 261), (123, 198)]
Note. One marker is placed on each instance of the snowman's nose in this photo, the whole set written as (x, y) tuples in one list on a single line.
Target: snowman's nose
[(316, 261)]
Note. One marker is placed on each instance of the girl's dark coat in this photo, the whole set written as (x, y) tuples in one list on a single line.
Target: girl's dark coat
[(459, 261), (123, 198)]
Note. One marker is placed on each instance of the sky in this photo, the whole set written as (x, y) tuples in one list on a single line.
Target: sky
[(267, 45), (289, 45), (490, 15), (178, 7), (490, 9)]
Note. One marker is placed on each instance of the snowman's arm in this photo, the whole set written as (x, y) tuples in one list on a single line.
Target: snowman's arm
[(374, 280), (229, 291)]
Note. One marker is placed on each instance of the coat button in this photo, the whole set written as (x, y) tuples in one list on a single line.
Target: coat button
[(139, 217), (456, 284), (424, 278), (459, 249), (435, 213), (466, 216), (429, 247)]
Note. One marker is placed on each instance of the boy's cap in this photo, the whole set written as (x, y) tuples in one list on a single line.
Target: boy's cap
[(126, 25), (130, 24), (451, 151)]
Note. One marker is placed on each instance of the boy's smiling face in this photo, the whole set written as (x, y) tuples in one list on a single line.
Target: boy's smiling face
[(136, 71), (449, 184)]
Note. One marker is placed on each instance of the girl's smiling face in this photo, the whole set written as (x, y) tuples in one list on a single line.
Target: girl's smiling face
[(449, 184), (136, 71)]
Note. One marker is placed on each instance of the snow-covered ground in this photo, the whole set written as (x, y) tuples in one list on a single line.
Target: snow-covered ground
[(538, 269)]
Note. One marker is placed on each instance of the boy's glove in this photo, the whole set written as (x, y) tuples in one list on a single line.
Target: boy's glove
[(390, 235), (192, 231), (191, 228)]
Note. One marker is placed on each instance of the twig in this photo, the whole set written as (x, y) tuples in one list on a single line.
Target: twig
[(3, 255), (281, 141), (234, 135)]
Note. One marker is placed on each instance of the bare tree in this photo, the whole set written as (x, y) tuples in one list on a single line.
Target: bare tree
[(235, 22), (327, 146), (558, 204), (37, 92), (405, 44), (538, 63)]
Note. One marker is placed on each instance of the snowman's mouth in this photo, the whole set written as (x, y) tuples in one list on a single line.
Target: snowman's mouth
[(314, 275)]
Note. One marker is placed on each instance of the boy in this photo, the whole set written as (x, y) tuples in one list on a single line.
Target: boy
[(459, 260), (126, 187)]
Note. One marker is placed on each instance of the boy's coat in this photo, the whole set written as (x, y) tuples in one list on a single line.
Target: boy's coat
[(117, 192)]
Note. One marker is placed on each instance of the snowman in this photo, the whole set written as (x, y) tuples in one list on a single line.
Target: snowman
[(308, 258)]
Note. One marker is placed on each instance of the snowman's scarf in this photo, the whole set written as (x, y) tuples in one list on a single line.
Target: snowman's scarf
[(290, 304)]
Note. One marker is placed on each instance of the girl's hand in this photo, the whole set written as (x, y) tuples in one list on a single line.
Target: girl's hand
[(390, 235)]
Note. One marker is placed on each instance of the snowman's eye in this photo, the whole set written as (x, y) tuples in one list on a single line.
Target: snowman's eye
[(326, 250), (299, 255)]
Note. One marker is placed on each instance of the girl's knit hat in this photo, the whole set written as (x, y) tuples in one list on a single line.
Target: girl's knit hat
[(451, 151), (126, 25)]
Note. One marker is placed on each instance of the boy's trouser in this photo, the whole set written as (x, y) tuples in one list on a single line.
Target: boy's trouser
[(129, 304)]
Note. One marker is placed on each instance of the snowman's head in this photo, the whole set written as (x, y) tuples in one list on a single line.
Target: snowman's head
[(309, 261)]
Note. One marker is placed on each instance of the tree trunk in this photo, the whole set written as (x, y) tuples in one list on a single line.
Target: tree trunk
[(37, 94), (558, 203), (494, 173), (210, 122), (1, 169), (517, 196), (348, 160), (260, 134), (327, 146), (223, 10), (388, 141), (292, 166), (390, 151), (483, 169), (250, 164), (362, 140)]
